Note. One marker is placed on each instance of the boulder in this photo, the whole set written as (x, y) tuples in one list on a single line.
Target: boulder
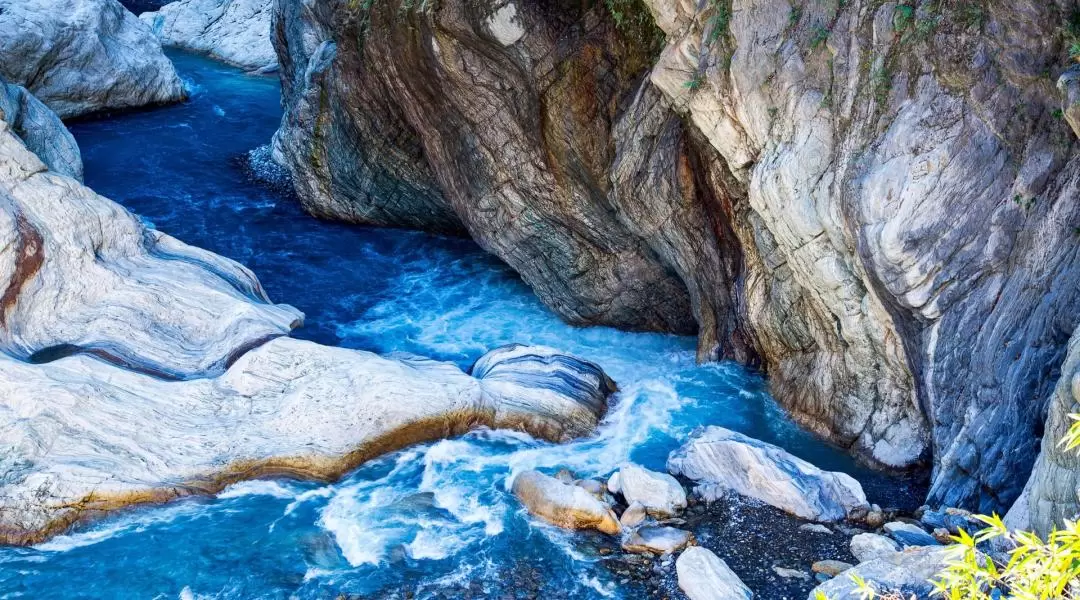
[(136, 369), (657, 540), (871, 546), (234, 31), (830, 568), (907, 573), (705, 576), (909, 535), (84, 56), (40, 130), (661, 494), (719, 459), (564, 505), (815, 528), (634, 515)]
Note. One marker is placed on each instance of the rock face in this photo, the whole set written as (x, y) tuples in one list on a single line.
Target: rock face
[(563, 504), (41, 130), (83, 56), (660, 494), (705, 576), (873, 202), (235, 31), (1052, 494), (909, 573), (137, 369), (721, 460)]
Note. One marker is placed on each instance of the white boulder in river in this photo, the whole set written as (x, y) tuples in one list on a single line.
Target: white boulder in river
[(136, 369), (705, 576), (722, 460), (661, 494), (235, 31), (563, 504), (82, 56)]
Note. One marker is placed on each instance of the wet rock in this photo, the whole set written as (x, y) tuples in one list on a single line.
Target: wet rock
[(719, 459), (56, 49), (41, 130), (564, 505), (815, 528), (705, 576), (566, 395), (909, 535), (634, 515), (831, 568), (657, 540), (592, 486), (613, 484), (565, 475), (871, 546), (661, 494), (235, 31), (908, 573)]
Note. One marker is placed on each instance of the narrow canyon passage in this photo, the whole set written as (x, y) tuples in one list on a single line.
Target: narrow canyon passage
[(438, 514)]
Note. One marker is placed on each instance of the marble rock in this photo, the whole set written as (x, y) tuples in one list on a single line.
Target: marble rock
[(909, 535), (84, 56), (907, 573), (41, 130), (721, 460), (703, 575), (661, 494), (657, 540), (234, 31), (563, 504), (870, 546)]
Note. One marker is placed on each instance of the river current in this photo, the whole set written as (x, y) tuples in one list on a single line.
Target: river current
[(434, 520)]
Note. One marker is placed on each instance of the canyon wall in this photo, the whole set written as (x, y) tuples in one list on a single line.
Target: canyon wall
[(874, 201)]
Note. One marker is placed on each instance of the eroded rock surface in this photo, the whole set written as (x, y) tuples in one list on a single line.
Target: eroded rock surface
[(41, 130), (659, 494), (908, 574), (235, 31), (721, 460), (84, 56), (878, 209), (563, 504)]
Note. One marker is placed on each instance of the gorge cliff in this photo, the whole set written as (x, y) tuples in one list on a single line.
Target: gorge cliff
[(873, 201)]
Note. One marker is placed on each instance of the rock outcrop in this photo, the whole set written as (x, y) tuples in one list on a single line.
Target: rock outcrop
[(872, 200), (41, 130), (136, 369), (721, 461), (84, 56), (235, 31), (705, 576), (907, 574), (563, 504)]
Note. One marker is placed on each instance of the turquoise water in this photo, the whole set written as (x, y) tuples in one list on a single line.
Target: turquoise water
[(430, 521)]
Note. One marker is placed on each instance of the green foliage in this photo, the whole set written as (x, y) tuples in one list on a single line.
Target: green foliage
[(696, 82), (821, 34), (795, 15), (903, 15), (721, 19), (1024, 203)]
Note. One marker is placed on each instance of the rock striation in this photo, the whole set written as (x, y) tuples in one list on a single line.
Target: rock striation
[(873, 202), (40, 130), (84, 56), (720, 460), (136, 369), (234, 31)]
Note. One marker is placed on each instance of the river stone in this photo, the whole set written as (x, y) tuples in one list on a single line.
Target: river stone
[(661, 494), (657, 540), (705, 576), (566, 394), (234, 31), (719, 459), (790, 573), (41, 130), (907, 573), (832, 568), (815, 528), (870, 546), (634, 515), (564, 505), (909, 535), (84, 56)]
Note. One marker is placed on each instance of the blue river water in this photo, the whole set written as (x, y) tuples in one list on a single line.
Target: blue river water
[(429, 521)]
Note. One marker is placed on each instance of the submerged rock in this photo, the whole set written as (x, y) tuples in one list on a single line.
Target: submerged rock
[(235, 31), (657, 540), (660, 494), (41, 130), (871, 546), (719, 459), (83, 56), (907, 573), (705, 576), (137, 369), (563, 504)]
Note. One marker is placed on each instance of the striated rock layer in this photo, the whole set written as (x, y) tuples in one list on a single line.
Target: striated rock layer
[(876, 202), (135, 369), (235, 31), (41, 130), (84, 56)]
